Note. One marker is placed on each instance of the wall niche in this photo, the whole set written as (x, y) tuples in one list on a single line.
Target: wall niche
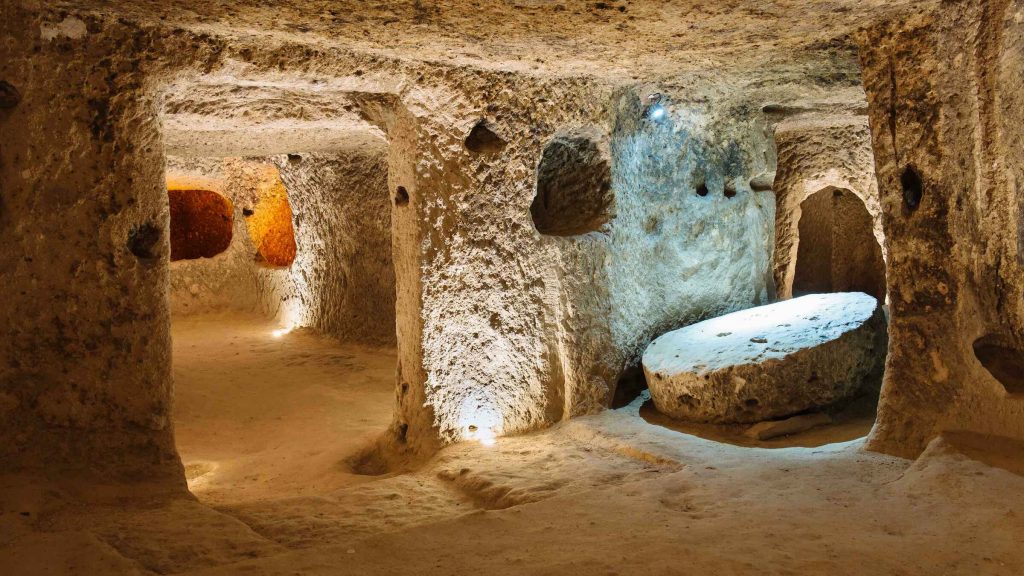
[(574, 192), (1003, 361), (200, 224), (270, 225)]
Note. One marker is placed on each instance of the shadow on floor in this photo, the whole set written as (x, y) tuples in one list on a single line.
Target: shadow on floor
[(851, 422)]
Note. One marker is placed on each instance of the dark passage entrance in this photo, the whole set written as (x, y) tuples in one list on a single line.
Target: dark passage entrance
[(837, 249)]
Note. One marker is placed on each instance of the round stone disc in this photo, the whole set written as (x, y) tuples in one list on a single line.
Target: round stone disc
[(769, 361)]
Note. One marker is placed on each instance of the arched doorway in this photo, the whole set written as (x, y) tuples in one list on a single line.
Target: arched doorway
[(837, 250)]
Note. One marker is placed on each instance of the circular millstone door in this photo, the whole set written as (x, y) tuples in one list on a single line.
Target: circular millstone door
[(768, 362)]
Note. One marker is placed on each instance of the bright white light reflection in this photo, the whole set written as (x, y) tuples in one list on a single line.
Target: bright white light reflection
[(656, 112), (766, 317), (280, 332), (486, 437), (483, 434), (479, 421)]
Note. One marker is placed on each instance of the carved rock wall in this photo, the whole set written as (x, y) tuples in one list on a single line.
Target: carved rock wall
[(944, 91)]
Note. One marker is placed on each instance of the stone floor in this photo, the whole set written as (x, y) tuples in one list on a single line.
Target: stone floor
[(616, 493)]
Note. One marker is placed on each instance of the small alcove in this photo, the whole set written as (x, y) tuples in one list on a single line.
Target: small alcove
[(574, 193), (201, 224)]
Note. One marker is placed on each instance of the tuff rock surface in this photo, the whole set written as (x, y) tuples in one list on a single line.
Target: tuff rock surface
[(769, 361), (498, 325)]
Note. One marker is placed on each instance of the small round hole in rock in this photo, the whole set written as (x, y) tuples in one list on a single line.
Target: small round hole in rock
[(401, 196), (729, 191), (144, 240), (702, 189), (483, 140), (913, 188)]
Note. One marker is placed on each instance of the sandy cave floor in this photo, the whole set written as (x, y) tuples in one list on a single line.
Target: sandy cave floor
[(264, 426), (259, 416)]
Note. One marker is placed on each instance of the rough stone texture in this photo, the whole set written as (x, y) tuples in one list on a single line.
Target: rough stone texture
[(201, 223), (498, 328), (85, 352), (574, 181), (945, 98), (1004, 362), (837, 251), (218, 115), (674, 257), (342, 282), (820, 152), (795, 425), (768, 362), (649, 39)]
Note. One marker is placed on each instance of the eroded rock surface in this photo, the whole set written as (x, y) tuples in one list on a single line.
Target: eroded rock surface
[(768, 361), (949, 173)]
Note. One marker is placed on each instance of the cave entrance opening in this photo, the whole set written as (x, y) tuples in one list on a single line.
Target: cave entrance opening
[(837, 250), (282, 293)]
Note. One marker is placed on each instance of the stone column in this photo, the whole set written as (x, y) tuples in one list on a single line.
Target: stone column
[(940, 89), (85, 352)]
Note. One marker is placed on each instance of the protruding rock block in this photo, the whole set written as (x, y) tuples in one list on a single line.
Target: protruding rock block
[(768, 362)]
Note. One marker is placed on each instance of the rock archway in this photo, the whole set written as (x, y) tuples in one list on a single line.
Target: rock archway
[(836, 251)]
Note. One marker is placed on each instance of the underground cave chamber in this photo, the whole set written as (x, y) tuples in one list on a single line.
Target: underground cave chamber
[(282, 313), (451, 287), (669, 197)]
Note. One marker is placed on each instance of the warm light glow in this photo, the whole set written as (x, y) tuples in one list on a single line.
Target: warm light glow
[(480, 421), (280, 332), (270, 222), (486, 437)]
